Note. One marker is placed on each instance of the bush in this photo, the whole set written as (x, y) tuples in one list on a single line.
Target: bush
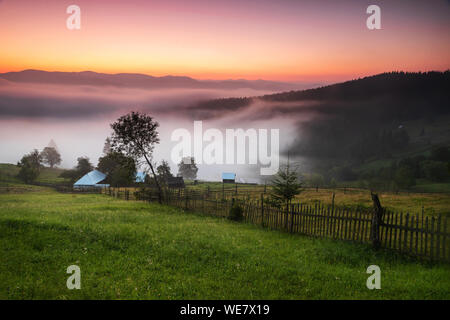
[(236, 213), (30, 167), (28, 174)]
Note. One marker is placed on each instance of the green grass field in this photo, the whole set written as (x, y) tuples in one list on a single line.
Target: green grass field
[(134, 250)]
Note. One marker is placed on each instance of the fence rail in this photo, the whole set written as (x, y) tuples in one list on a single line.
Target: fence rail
[(413, 234)]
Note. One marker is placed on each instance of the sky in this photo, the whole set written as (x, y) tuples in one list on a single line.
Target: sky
[(288, 40), (310, 41)]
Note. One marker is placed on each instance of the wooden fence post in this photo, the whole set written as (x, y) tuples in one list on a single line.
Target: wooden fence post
[(438, 239), (376, 221), (262, 209), (292, 218), (203, 203), (332, 200)]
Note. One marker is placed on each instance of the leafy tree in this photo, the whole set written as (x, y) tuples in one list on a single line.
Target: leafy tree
[(285, 186), (84, 166), (187, 168), (122, 177), (51, 156), (164, 170), (120, 169), (30, 166), (136, 135)]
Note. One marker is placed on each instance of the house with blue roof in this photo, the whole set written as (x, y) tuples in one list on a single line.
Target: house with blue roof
[(96, 178), (228, 177), (91, 179)]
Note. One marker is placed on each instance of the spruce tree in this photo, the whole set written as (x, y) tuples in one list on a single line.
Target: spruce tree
[(285, 186)]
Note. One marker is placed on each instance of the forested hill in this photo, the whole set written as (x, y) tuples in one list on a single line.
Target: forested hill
[(354, 119), (402, 93), (396, 84)]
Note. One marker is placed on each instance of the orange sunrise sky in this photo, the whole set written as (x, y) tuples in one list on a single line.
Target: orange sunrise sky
[(279, 40)]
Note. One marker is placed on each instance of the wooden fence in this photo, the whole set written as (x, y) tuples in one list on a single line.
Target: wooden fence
[(413, 234)]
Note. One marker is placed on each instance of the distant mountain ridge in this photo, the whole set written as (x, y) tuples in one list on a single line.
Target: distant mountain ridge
[(137, 80)]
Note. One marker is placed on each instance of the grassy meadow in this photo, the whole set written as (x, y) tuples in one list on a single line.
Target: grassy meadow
[(136, 250), (432, 203)]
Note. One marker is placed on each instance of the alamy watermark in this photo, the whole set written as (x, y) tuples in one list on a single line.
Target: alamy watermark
[(74, 281), (73, 22), (374, 20), (373, 281), (214, 147)]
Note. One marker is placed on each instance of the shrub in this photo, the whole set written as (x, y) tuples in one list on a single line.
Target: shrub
[(30, 167), (236, 213)]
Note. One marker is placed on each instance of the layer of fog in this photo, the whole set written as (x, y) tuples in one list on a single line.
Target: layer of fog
[(77, 118)]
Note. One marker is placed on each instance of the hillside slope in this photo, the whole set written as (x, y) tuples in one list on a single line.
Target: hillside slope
[(354, 113), (8, 175)]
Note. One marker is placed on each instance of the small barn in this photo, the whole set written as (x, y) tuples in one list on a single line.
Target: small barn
[(228, 177), (175, 182), (90, 180)]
